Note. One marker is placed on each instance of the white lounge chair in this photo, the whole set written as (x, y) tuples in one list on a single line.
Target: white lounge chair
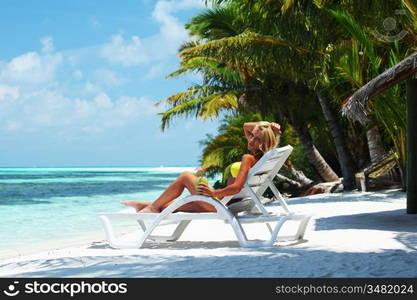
[(248, 210)]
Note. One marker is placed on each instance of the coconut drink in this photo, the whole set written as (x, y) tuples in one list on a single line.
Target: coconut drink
[(200, 177)]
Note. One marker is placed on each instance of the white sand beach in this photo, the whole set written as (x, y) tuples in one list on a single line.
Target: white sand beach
[(351, 234)]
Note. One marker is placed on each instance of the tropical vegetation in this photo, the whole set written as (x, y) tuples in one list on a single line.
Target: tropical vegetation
[(296, 62)]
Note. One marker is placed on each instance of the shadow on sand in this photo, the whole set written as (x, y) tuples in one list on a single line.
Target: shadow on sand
[(224, 259)]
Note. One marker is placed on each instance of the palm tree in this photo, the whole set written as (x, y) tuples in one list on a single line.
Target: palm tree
[(370, 63), (253, 57), (286, 19), (365, 59), (345, 158)]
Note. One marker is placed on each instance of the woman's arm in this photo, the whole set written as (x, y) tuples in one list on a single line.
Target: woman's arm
[(248, 128), (248, 160)]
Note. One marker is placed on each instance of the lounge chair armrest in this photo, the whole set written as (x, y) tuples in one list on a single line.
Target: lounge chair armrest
[(191, 198)]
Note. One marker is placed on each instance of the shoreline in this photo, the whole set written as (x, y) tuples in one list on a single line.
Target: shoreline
[(352, 234)]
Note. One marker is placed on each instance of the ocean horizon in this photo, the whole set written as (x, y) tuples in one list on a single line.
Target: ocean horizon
[(92, 166)]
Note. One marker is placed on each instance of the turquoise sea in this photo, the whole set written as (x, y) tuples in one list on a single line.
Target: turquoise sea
[(40, 205)]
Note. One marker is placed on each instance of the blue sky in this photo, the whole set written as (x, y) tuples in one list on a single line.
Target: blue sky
[(79, 79)]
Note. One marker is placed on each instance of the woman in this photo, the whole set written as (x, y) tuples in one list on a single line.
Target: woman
[(262, 136)]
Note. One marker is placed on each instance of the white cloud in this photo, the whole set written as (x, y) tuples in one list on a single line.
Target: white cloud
[(77, 74), (50, 111), (8, 92), (47, 44), (41, 105), (171, 29), (172, 33), (90, 88), (155, 71), (102, 102), (109, 78), (127, 53), (138, 50), (130, 107), (60, 102), (12, 126), (31, 68)]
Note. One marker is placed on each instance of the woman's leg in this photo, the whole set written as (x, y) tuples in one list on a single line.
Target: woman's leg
[(137, 205), (173, 191)]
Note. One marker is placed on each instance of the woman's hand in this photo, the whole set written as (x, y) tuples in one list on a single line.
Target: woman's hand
[(276, 128), (204, 189)]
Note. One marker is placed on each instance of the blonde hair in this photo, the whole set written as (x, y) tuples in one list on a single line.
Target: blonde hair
[(270, 139)]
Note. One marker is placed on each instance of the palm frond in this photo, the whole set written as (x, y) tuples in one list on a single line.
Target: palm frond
[(358, 33), (351, 65), (287, 4), (184, 109), (257, 53), (215, 23), (196, 91), (204, 106)]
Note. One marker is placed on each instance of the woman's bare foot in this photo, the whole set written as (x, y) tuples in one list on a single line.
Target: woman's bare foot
[(149, 209), (137, 205)]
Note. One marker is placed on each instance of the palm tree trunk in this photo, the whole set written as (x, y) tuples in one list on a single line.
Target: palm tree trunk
[(299, 175), (345, 158), (314, 156), (291, 182), (376, 150)]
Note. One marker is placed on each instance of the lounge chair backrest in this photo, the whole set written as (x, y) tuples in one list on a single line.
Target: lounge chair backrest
[(273, 159), (268, 166), (265, 168)]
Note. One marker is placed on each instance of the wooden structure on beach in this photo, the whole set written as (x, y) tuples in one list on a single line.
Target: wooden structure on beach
[(385, 173), (357, 108)]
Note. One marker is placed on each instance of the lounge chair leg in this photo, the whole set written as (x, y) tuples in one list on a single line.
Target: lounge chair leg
[(142, 225), (244, 242), (147, 234), (167, 238), (302, 228), (108, 228), (269, 227), (300, 231), (179, 230), (113, 242)]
